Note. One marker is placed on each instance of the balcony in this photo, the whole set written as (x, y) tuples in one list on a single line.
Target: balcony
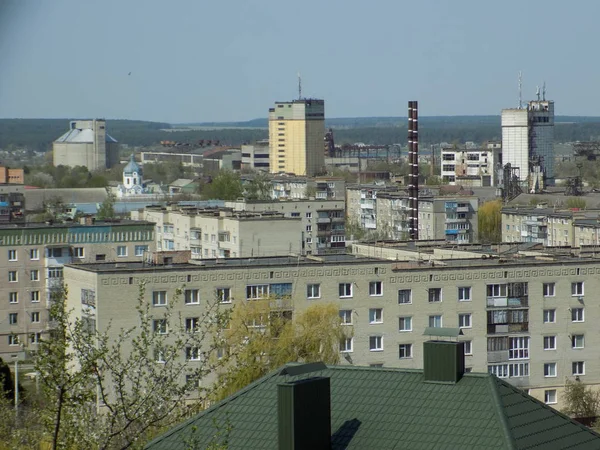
[(455, 220), (497, 356), (323, 220), (504, 328), (462, 209), (367, 205), (507, 302), (335, 219)]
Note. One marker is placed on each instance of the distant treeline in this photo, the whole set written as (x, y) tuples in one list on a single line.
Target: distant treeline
[(38, 134)]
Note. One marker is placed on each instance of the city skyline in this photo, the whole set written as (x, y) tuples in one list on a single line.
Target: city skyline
[(195, 62)]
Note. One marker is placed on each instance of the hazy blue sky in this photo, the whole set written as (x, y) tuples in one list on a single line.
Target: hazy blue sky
[(221, 60)]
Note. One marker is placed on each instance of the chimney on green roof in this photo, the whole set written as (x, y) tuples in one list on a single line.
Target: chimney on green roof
[(304, 414), (443, 360)]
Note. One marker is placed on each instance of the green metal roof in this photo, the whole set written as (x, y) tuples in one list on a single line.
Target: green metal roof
[(380, 408)]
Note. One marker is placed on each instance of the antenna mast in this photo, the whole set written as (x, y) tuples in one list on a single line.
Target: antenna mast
[(544, 91), (520, 90), (299, 87)]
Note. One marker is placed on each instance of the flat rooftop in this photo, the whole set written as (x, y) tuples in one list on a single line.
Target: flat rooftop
[(75, 224)]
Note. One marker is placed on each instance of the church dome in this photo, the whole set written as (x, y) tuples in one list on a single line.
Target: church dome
[(132, 167)]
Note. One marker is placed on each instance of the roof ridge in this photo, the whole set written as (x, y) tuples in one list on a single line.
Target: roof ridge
[(510, 440)]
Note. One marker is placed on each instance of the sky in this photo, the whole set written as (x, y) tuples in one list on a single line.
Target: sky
[(229, 60)]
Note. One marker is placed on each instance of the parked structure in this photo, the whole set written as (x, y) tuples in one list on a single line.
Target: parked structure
[(86, 144), (296, 137), (31, 261), (323, 221), (534, 327), (221, 233)]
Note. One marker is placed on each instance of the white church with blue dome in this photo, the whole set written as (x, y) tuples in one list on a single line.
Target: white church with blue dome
[(133, 180)]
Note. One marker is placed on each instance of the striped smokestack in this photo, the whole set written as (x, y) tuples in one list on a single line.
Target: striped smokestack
[(413, 161)]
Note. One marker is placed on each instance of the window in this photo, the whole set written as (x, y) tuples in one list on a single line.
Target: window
[(224, 295), (55, 272), (159, 356), (313, 291), (548, 289), (405, 351), (404, 296), (159, 326), (518, 370), (35, 317), (159, 298), (192, 324), (12, 276), (192, 380), (141, 249), (578, 367), (35, 338), (577, 288), (13, 339), (550, 396), (35, 296), (54, 252), (578, 341), (121, 251), (500, 370), (78, 252), (549, 342), (468, 347), (12, 255), (346, 316), (345, 290), (34, 254), (464, 320), (577, 315), (192, 353), (346, 345), (309, 215), (375, 343), (496, 290), (549, 315), (257, 291), (192, 296), (13, 297), (308, 228), (405, 324), (435, 321), (464, 294), (309, 240), (435, 295), (518, 348), (34, 275), (550, 369), (375, 288), (376, 315), (100, 257), (13, 318)]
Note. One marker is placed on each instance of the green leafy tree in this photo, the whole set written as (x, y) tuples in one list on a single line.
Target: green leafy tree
[(580, 401), (489, 218), (576, 203), (117, 388), (226, 185), (107, 207), (259, 188)]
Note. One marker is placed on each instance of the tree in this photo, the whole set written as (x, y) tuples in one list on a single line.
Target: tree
[(580, 401), (261, 338), (489, 218), (575, 203), (107, 207), (116, 388), (226, 185), (259, 188)]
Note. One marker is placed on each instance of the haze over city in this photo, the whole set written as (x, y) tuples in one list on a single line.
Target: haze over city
[(223, 61)]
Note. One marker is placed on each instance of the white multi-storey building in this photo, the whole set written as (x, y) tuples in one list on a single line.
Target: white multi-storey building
[(471, 166)]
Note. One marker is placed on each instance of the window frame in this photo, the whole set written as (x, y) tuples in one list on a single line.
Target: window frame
[(549, 289), (344, 315), (403, 320), (550, 397), (35, 272), (575, 366), (433, 317), (546, 315), (160, 326), (378, 341), (468, 348), (192, 324), (377, 287), (407, 349), (469, 319), (575, 316), (461, 291), (345, 348), (36, 317), (401, 293), (13, 255), (434, 295), (121, 251), (577, 289), (252, 291), (310, 290), (221, 291), (549, 340), (34, 254), (375, 316), (13, 276), (344, 287), (577, 341), (550, 370), (159, 298), (194, 299)]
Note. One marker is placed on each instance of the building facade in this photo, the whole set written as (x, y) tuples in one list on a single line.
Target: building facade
[(32, 259), (223, 233), (526, 319), (296, 136), (528, 139), (256, 156), (323, 221), (471, 166), (86, 144), (12, 203)]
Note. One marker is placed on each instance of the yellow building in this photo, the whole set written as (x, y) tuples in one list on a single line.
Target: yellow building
[(296, 134)]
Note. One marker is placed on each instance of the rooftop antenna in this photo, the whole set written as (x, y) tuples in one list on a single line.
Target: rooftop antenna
[(299, 87), (544, 91), (537, 92), (520, 90)]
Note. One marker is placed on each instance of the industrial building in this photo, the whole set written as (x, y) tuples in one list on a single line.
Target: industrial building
[(256, 156), (296, 136), (526, 314), (86, 144), (471, 167), (528, 142)]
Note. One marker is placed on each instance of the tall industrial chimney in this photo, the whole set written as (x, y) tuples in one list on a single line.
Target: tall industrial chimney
[(413, 161)]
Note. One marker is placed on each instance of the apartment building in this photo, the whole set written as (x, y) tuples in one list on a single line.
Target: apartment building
[(526, 318), (256, 156), (12, 203), (223, 233), (296, 136), (550, 227), (291, 187), (385, 210), (471, 166), (323, 221), (32, 257)]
